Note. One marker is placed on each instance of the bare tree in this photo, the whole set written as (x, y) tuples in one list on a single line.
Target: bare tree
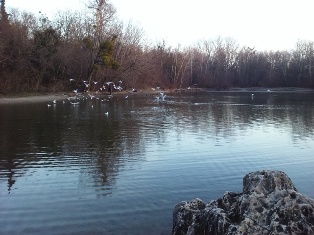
[(99, 44), (129, 53), (309, 54), (179, 65), (3, 13), (299, 56), (283, 62)]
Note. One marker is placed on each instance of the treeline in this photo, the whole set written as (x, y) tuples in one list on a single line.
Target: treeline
[(86, 49)]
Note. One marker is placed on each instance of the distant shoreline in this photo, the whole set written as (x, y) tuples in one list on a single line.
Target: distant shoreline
[(30, 98), (33, 98)]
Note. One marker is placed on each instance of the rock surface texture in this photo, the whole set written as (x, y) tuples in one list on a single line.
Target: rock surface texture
[(269, 204)]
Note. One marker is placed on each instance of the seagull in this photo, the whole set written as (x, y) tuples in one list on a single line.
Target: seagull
[(91, 96), (126, 96), (48, 105), (72, 80), (118, 88), (54, 101), (106, 113), (162, 96)]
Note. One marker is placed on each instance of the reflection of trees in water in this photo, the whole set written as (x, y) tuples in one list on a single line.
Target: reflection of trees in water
[(224, 115), (27, 137), (50, 137), (108, 147), (302, 123), (102, 145)]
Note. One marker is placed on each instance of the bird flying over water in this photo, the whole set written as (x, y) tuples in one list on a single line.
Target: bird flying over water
[(162, 96)]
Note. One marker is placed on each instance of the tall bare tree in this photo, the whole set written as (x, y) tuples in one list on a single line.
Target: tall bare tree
[(3, 13), (100, 43), (283, 63)]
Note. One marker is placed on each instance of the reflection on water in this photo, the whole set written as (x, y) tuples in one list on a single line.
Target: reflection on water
[(74, 169)]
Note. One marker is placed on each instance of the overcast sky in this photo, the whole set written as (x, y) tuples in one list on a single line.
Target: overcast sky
[(263, 24)]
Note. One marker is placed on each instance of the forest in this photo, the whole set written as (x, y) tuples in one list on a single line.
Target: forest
[(84, 50)]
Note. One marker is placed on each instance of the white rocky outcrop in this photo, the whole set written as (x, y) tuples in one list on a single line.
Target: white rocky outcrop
[(269, 204)]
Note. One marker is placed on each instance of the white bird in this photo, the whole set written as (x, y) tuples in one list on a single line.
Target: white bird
[(54, 101), (106, 113), (126, 96), (118, 88), (162, 96), (48, 105)]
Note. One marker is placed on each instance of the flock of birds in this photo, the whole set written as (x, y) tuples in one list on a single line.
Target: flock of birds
[(77, 97)]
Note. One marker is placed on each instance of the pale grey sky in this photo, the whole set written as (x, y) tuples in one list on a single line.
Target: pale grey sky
[(263, 24)]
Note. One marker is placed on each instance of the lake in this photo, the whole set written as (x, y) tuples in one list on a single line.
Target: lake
[(76, 169)]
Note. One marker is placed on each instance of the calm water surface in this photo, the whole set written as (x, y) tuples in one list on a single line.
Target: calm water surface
[(72, 169)]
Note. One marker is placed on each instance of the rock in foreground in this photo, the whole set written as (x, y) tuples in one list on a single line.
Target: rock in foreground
[(269, 204)]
